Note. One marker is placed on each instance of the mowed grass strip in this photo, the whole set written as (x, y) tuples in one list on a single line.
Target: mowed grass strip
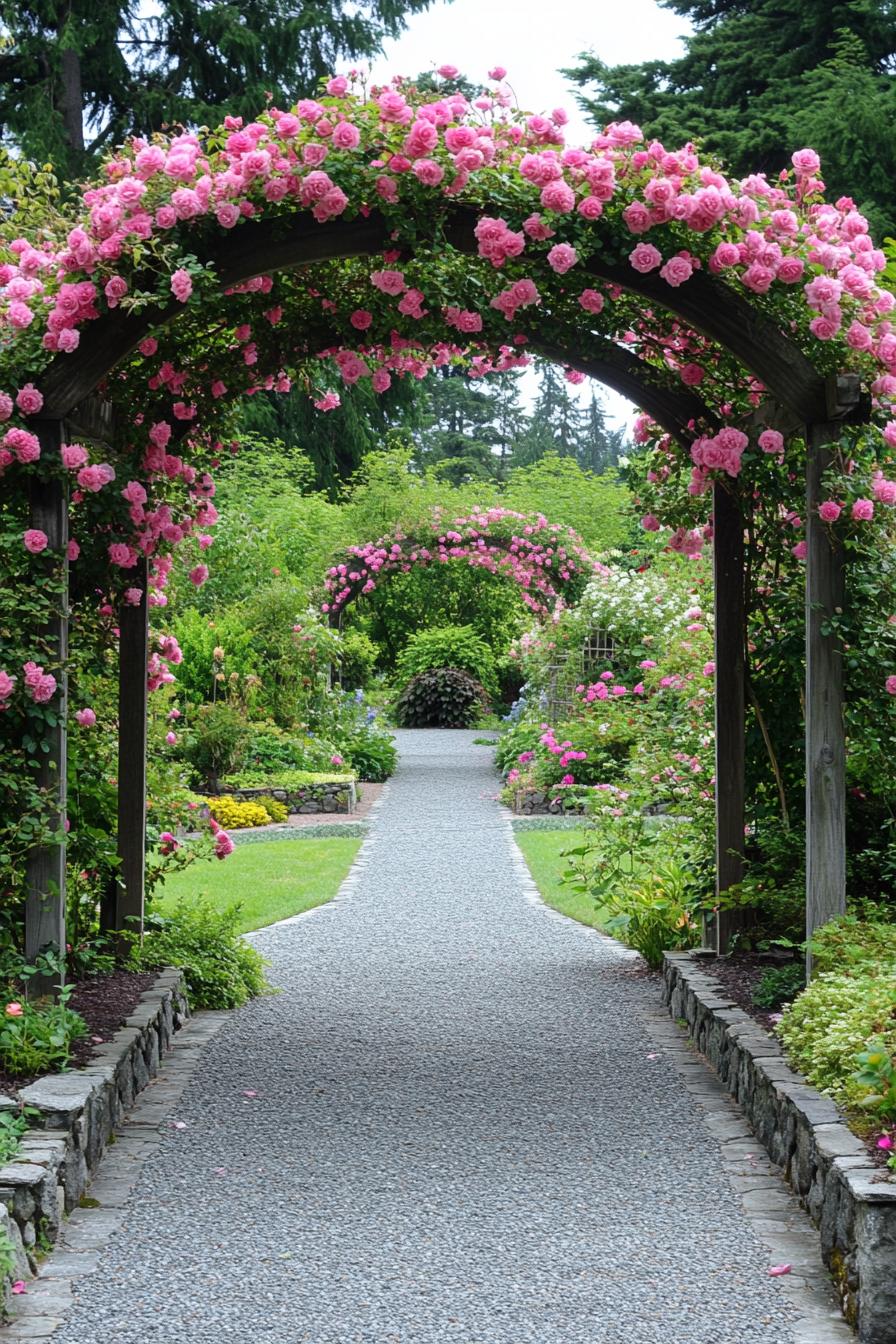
[(268, 881), (543, 852)]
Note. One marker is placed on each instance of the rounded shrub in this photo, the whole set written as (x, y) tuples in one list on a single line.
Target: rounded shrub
[(442, 697), (456, 646), (234, 815)]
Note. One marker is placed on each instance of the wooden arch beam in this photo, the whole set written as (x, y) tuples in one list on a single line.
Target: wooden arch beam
[(627, 374), (264, 245)]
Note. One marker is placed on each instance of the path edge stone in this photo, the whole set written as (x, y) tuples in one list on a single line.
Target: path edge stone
[(849, 1200), (73, 1118)]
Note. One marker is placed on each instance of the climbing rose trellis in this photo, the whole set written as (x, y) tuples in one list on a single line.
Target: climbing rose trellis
[(547, 561), (144, 241)]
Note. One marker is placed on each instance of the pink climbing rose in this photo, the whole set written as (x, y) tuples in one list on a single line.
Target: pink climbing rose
[(35, 540), (85, 717), (829, 511), (181, 285)]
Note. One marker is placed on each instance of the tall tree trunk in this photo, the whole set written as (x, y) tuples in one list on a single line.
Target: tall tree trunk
[(71, 98)]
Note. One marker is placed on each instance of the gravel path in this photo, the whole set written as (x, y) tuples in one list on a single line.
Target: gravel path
[(463, 1130)]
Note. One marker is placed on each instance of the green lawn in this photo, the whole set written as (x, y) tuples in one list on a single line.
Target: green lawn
[(543, 852), (268, 881)]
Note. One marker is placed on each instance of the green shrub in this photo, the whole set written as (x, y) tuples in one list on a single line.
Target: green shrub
[(827, 1026), (371, 755), (221, 969), (448, 646), (218, 741), (855, 946), (287, 779), (276, 810), (520, 738), (444, 697), (37, 1038), (653, 915), (779, 984)]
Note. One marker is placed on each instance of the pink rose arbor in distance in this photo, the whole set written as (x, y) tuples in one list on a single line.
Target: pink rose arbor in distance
[(594, 256)]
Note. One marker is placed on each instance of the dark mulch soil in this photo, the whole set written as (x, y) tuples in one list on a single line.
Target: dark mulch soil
[(740, 976), (104, 1002)]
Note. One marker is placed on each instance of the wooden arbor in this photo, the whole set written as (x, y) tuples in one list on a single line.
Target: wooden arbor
[(820, 405)]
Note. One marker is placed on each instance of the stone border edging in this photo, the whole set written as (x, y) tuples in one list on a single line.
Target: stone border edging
[(78, 1113), (848, 1198)]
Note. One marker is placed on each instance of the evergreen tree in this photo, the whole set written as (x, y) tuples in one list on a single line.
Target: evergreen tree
[(334, 442), (761, 78), (556, 421), (599, 446), (470, 426), (77, 75)]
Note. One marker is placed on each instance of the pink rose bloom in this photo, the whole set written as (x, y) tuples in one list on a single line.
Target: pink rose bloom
[(5, 406), (361, 319), (890, 685), (590, 207), (709, 669), (650, 523), (497, 72), (73, 456), (14, 1009), (559, 197), (25, 445), (645, 258), (122, 555), (7, 683), (829, 511), (562, 257), (863, 510), (44, 690), (171, 739), (223, 845), (34, 540), (336, 759), (74, 550), (884, 490), (790, 270), (198, 575), (771, 441), (346, 136), (646, 664), (85, 717), (799, 550), (806, 162), (181, 285), (591, 301), (676, 271), (388, 282), (692, 374), (29, 400), (448, 71)]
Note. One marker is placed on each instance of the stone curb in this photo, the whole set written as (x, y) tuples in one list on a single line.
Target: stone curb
[(850, 1200), (77, 1114)]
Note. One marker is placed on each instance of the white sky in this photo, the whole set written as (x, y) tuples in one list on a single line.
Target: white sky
[(533, 40)]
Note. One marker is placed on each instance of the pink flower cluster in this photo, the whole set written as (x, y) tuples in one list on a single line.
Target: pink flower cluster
[(540, 557)]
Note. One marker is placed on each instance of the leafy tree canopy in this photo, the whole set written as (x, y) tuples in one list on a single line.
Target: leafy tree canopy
[(761, 78), (77, 75)]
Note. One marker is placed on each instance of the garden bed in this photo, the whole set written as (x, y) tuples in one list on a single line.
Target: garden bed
[(73, 1116), (851, 1201), (105, 1002)]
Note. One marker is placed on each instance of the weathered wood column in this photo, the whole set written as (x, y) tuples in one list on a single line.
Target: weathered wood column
[(133, 654), (45, 879), (728, 588), (825, 732)]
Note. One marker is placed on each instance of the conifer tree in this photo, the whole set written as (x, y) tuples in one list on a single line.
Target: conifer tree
[(761, 78)]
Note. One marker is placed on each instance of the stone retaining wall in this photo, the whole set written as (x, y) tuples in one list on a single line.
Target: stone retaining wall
[(850, 1200), (339, 796), (77, 1113)]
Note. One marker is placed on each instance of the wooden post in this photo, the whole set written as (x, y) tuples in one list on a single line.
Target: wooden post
[(728, 577), (825, 733), (133, 654), (45, 878)]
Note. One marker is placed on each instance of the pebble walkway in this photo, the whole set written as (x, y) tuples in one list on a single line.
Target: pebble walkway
[(470, 1125)]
